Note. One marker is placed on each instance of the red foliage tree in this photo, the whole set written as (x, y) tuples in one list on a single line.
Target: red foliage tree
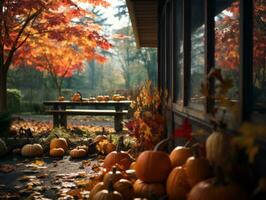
[(32, 32), (228, 34)]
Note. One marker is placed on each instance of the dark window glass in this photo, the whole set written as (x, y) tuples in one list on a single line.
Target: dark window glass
[(259, 54), (179, 54), (196, 100), (227, 41)]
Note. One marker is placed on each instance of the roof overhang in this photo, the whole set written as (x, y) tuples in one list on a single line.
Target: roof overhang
[(143, 15)]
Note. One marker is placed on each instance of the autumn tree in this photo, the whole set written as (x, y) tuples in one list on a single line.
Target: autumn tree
[(25, 24), (227, 40)]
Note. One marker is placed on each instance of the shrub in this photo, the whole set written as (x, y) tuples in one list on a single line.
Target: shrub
[(13, 100)]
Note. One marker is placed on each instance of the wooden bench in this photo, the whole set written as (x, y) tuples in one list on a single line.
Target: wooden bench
[(60, 112)]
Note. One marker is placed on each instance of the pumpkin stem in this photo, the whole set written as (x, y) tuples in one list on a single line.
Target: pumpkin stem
[(157, 146), (114, 169)]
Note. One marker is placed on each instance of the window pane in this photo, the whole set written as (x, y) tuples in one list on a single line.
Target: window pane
[(259, 54), (227, 39), (179, 52), (196, 99)]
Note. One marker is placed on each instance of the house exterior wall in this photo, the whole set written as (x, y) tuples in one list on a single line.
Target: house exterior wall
[(179, 27)]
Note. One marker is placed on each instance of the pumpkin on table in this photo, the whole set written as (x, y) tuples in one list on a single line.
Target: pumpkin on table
[(147, 190), (197, 167), (32, 150), (3, 147), (76, 96), (179, 155), (59, 142), (153, 166), (57, 152), (100, 98), (177, 186), (125, 188), (106, 98), (61, 98)]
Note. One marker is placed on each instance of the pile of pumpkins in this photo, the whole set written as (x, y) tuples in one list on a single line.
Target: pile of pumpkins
[(184, 174), (59, 147)]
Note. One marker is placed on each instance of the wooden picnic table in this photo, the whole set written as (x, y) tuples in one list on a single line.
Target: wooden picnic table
[(60, 110)]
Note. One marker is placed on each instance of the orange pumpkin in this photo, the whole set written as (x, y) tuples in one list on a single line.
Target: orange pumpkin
[(112, 177), (61, 98), (78, 153), (106, 97), (153, 166), (57, 152), (125, 188), (100, 98), (177, 186), (147, 190), (32, 150), (197, 168), (213, 190), (109, 194), (98, 187), (118, 157), (179, 155), (76, 97), (59, 143)]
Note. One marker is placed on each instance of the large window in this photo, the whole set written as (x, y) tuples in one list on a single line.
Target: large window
[(259, 54), (204, 36), (196, 100), (227, 43)]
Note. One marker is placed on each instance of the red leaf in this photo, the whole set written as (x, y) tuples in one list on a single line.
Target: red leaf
[(184, 131)]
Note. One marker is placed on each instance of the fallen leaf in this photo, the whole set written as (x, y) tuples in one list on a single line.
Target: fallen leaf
[(7, 168)]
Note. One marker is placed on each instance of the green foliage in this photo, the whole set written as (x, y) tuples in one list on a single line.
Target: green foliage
[(31, 107), (13, 100)]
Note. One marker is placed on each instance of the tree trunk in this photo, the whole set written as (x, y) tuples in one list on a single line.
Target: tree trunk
[(3, 90)]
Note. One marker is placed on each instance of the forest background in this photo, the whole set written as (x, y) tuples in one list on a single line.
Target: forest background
[(126, 68)]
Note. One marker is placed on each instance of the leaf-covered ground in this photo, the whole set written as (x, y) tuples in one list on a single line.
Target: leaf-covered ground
[(51, 178)]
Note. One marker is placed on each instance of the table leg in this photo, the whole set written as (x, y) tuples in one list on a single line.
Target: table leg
[(118, 123), (56, 120)]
